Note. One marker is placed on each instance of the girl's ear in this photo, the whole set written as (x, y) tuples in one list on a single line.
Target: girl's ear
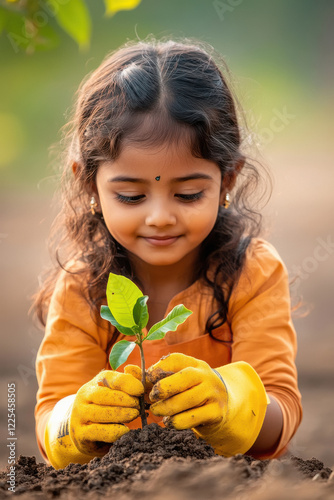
[(229, 181), (92, 189), (76, 168)]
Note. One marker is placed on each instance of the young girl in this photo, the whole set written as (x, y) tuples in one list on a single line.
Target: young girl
[(156, 188)]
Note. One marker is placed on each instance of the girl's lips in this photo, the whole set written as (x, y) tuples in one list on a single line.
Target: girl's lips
[(160, 242)]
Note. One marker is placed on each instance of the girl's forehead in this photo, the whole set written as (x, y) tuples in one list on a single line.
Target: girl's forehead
[(163, 154), (170, 159)]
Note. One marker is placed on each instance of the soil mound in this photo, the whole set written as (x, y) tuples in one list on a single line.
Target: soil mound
[(164, 464)]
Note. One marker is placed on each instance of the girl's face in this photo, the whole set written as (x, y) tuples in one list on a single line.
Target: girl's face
[(161, 203)]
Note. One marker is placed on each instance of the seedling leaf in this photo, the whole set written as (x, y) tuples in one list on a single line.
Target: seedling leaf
[(169, 324), (120, 353), (140, 312), (74, 18), (107, 314), (122, 296), (113, 6)]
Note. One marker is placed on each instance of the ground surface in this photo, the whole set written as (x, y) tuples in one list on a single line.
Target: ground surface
[(157, 463)]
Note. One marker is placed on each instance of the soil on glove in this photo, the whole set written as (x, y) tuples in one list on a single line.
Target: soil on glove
[(164, 464)]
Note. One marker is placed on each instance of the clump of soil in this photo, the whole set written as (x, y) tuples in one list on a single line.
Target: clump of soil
[(164, 464)]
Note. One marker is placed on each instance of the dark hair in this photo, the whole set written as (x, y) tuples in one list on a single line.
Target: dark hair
[(153, 92)]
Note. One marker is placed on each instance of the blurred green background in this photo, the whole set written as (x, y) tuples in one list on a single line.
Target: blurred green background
[(280, 53)]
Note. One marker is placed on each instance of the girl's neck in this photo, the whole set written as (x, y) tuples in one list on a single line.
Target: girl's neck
[(169, 279)]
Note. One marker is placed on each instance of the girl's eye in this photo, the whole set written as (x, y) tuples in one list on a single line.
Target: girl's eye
[(131, 200), (190, 197)]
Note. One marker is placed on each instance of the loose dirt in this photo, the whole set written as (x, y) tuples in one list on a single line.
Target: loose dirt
[(164, 464)]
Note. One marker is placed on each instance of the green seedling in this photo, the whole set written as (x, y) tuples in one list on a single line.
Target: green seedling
[(127, 312)]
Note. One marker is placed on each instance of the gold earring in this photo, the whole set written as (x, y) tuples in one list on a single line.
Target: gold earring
[(227, 201), (93, 205)]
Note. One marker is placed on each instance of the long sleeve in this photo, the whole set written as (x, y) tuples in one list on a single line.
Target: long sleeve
[(73, 351), (263, 332)]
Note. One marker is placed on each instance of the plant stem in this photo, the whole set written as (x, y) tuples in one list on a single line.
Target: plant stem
[(143, 380)]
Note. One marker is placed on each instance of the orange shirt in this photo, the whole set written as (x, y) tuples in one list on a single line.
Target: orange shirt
[(75, 349)]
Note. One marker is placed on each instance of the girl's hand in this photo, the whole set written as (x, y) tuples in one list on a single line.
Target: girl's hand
[(100, 409), (83, 425), (186, 392), (225, 407), (135, 371)]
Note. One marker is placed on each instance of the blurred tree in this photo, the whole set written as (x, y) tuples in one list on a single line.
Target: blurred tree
[(29, 26)]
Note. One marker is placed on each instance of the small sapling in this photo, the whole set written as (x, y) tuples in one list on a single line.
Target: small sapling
[(127, 312)]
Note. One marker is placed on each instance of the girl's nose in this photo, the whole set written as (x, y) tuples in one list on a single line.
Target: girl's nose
[(160, 215)]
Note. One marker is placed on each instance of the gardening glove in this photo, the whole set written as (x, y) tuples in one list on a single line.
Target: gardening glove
[(135, 371), (225, 407), (82, 426)]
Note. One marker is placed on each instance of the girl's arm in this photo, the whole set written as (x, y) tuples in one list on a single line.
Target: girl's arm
[(264, 336), (72, 352), (271, 430)]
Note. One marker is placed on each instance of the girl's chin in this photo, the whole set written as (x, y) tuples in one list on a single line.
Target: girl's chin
[(155, 261)]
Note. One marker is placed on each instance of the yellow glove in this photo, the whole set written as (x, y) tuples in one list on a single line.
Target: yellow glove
[(225, 407), (82, 426), (135, 371)]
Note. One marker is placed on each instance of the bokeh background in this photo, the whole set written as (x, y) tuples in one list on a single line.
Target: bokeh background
[(280, 53)]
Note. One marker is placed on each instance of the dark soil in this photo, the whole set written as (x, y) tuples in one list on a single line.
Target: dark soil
[(164, 464)]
